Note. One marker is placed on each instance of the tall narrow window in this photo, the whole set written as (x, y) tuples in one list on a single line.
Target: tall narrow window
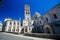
[(17, 29), (25, 29), (18, 23), (26, 13), (14, 23), (9, 29), (47, 19), (14, 29), (55, 16), (27, 18), (10, 23)]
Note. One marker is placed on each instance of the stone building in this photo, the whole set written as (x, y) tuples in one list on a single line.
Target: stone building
[(38, 23), (47, 28), (48, 22), (27, 19), (52, 17), (1, 25), (12, 25), (27, 15)]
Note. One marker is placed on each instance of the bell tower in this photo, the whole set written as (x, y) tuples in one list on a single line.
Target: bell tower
[(27, 12)]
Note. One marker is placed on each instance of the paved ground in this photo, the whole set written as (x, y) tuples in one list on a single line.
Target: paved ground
[(8, 36)]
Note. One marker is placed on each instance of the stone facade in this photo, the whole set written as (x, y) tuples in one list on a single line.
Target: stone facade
[(27, 15), (38, 23), (27, 19), (49, 22), (47, 28), (13, 26), (53, 18)]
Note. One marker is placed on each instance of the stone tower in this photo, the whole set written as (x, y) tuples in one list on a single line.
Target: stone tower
[(27, 12)]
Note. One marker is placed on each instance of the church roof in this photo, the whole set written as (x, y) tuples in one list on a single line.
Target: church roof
[(36, 15), (56, 6)]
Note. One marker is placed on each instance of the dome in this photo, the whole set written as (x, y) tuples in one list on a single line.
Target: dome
[(36, 13)]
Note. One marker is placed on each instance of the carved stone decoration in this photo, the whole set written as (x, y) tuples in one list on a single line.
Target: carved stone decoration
[(47, 28)]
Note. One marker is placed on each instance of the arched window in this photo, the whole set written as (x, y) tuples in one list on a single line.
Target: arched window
[(55, 16), (47, 19), (48, 30), (27, 13)]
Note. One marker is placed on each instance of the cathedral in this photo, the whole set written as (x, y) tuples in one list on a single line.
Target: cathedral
[(52, 18), (48, 22)]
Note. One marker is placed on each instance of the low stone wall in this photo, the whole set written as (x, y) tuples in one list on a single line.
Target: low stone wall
[(42, 35)]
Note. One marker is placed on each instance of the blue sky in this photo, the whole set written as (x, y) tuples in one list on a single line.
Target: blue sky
[(15, 8)]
